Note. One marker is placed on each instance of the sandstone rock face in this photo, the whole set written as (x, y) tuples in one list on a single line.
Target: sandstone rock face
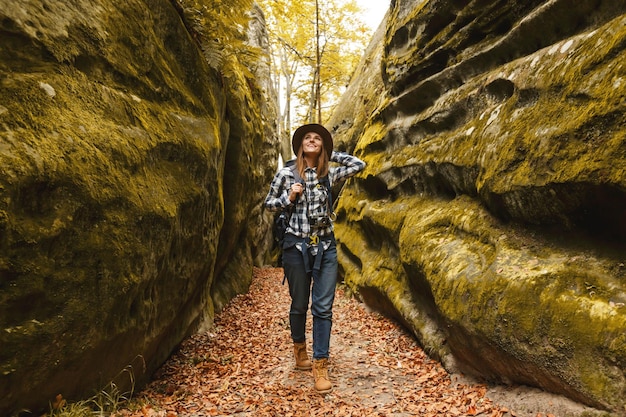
[(491, 217), (133, 163)]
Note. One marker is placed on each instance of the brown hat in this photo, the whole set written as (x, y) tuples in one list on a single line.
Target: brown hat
[(298, 135)]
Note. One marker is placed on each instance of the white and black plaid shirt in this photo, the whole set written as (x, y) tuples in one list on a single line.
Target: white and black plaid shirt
[(312, 203)]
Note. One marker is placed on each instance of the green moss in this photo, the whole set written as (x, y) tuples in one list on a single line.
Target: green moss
[(543, 305), (532, 310), (374, 133), (569, 130)]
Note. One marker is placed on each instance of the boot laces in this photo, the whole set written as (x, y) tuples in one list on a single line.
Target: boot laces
[(321, 369)]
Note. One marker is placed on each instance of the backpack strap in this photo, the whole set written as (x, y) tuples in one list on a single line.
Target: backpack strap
[(325, 180), (294, 170)]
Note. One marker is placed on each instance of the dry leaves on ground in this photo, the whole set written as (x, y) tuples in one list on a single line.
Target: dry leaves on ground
[(244, 367)]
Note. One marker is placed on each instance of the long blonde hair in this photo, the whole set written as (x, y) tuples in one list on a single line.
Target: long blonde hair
[(321, 166)]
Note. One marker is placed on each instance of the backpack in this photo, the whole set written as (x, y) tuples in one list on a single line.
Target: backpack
[(282, 218)]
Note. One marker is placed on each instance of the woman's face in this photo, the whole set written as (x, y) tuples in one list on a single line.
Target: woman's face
[(312, 144)]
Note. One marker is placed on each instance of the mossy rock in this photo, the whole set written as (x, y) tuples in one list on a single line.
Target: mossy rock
[(490, 218), (128, 138)]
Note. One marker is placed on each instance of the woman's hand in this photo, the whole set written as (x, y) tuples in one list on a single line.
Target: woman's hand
[(295, 191)]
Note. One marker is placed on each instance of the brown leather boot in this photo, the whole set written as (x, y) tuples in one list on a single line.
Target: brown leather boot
[(320, 374), (302, 358)]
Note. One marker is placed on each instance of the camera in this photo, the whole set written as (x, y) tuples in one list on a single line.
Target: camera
[(320, 222)]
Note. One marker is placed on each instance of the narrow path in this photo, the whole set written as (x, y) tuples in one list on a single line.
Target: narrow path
[(244, 367)]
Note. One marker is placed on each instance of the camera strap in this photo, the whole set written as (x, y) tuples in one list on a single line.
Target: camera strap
[(324, 181)]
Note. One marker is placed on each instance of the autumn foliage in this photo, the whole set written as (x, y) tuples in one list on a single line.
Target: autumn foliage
[(244, 366)]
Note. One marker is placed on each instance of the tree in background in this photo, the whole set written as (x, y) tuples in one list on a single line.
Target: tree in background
[(293, 27), (222, 27)]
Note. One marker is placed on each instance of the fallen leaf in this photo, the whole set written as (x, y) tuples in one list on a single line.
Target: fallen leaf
[(244, 365)]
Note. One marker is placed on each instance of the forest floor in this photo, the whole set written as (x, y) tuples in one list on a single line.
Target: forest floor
[(244, 366)]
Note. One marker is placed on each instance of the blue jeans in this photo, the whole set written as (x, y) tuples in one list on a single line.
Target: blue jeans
[(322, 295)]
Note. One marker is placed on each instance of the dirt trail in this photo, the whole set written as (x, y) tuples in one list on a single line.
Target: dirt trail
[(244, 367)]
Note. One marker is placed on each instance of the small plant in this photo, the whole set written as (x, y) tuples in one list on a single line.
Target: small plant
[(65, 409), (106, 402)]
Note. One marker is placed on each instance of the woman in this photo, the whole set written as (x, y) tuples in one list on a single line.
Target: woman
[(309, 249)]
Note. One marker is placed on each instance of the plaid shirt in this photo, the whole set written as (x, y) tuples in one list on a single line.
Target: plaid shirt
[(312, 203)]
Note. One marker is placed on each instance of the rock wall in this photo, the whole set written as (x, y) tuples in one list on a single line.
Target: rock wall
[(491, 217), (134, 146)]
